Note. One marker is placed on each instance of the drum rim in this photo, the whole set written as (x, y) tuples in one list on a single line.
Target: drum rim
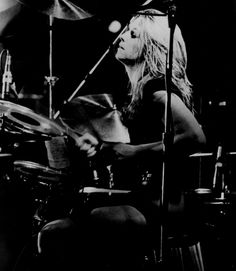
[(19, 165)]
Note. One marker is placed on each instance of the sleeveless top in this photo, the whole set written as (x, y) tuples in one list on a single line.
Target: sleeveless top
[(144, 173)]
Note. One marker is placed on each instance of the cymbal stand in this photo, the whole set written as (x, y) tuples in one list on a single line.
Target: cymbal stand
[(91, 71), (219, 186), (51, 80)]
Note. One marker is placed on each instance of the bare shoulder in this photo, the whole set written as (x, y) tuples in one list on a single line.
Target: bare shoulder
[(160, 96)]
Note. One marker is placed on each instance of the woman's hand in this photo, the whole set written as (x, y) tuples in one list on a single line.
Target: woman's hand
[(87, 144)]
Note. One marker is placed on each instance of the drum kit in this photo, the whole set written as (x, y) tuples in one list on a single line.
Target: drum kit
[(20, 124), (216, 198), (95, 114)]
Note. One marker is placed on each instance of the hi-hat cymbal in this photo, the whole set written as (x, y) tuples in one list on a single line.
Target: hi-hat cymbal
[(61, 9)]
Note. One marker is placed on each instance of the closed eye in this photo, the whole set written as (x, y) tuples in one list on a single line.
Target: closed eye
[(133, 34)]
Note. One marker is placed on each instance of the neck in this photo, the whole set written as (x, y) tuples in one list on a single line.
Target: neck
[(134, 72)]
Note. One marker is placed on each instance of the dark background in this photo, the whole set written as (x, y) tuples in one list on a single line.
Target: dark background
[(209, 31)]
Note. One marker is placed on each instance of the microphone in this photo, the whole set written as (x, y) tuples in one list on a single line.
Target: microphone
[(7, 76), (117, 40)]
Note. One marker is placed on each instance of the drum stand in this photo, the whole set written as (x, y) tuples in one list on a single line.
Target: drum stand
[(219, 185), (51, 80)]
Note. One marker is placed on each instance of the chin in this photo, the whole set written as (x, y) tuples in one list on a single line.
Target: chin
[(119, 56)]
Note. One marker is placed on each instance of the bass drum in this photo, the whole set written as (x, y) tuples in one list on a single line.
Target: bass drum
[(47, 188)]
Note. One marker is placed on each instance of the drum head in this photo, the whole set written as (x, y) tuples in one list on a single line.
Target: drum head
[(38, 171)]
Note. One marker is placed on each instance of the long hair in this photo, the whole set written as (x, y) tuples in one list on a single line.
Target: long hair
[(155, 35)]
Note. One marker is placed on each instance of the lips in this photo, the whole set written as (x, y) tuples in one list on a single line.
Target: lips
[(120, 46)]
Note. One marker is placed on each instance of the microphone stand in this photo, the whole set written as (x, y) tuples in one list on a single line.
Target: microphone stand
[(90, 72), (7, 76), (167, 138), (8, 84)]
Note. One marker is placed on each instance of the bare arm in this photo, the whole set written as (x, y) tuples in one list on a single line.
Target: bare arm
[(188, 134)]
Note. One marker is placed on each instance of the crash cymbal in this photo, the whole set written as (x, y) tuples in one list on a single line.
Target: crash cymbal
[(202, 154), (22, 120), (7, 4), (61, 9), (97, 115)]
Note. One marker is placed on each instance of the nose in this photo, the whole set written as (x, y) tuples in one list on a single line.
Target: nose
[(124, 37)]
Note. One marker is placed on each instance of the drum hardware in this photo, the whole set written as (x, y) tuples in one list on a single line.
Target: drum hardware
[(101, 175), (146, 178), (7, 79), (111, 180), (89, 189), (219, 189), (217, 201), (40, 212), (44, 184), (62, 9)]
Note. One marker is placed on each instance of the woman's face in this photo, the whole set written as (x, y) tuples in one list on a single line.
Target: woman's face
[(130, 45)]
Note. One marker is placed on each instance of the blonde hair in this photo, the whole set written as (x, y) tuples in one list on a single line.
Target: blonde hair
[(155, 35)]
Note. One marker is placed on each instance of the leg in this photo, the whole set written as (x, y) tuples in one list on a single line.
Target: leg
[(119, 237), (57, 245)]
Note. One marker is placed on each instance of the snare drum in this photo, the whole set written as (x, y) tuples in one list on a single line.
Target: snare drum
[(45, 185), (42, 173)]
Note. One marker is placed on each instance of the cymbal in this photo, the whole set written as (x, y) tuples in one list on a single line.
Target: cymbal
[(61, 9), (7, 4), (202, 154), (208, 154), (22, 120), (95, 114)]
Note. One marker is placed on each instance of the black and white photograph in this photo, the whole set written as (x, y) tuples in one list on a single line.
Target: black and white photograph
[(117, 135)]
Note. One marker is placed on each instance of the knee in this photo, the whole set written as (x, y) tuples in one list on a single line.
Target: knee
[(54, 233), (122, 214), (59, 224)]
